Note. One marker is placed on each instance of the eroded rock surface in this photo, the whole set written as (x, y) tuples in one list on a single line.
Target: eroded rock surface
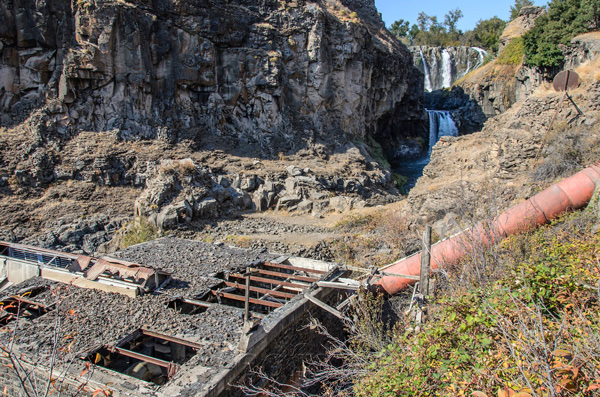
[(266, 75), (96, 95)]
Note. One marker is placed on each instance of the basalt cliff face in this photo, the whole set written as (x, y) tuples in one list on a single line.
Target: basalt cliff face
[(193, 110), (263, 74)]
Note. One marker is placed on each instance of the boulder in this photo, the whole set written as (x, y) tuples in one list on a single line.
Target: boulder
[(207, 208), (340, 203)]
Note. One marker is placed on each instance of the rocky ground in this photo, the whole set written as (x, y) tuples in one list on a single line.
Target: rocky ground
[(475, 176)]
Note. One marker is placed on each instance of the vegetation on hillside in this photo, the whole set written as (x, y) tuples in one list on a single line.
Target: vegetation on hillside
[(531, 325), (429, 31), (522, 316), (565, 19), (513, 53)]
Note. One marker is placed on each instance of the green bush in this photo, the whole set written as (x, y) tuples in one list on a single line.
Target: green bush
[(400, 181), (376, 151), (533, 331), (565, 19), (513, 53)]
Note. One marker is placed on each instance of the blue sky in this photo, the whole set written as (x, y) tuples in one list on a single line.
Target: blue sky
[(473, 10)]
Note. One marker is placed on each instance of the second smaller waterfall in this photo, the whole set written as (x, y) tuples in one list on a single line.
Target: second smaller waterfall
[(440, 124)]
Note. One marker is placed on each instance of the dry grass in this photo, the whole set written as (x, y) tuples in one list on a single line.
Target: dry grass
[(512, 30), (183, 166), (590, 70)]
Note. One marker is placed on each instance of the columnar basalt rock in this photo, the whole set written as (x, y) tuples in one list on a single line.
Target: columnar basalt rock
[(270, 75)]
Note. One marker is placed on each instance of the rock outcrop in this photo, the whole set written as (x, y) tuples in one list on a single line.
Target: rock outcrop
[(180, 192), (521, 24), (266, 76), (97, 95)]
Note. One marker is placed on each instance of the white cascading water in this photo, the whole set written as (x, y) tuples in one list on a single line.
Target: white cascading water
[(482, 54), (440, 124), (428, 85), (446, 69)]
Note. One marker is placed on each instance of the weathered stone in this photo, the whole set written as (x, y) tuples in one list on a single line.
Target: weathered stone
[(292, 170), (305, 206), (167, 218), (288, 201), (248, 184), (207, 208), (340, 203), (133, 66)]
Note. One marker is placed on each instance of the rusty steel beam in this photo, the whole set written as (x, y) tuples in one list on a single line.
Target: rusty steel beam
[(141, 357), (251, 300), (170, 338), (287, 276), (261, 290), (290, 267), (271, 281), (28, 302)]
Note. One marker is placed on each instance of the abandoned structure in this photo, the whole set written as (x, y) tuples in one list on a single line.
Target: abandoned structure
[(163, 318)]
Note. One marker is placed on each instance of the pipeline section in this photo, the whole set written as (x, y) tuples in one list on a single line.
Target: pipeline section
[(569, 194)]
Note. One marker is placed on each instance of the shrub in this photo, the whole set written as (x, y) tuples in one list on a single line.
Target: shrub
[(565, 19), (137, 232), (400, 181), (535, 330), (513, 53)]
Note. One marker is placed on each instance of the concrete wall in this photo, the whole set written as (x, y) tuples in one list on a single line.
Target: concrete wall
[(16, 270)]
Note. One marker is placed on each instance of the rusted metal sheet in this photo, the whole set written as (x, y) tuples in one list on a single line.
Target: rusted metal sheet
[(80, 264), (117, 270), (69, 268), (565, 80)]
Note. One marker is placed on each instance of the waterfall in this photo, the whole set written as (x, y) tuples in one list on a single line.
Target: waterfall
[(443, 66), (482, 54), (440, 124), (428, 85), (446, 69)]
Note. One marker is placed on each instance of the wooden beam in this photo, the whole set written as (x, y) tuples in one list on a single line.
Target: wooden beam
[(406, 276), (287, 275), (324, 306), (329, 284), (272, 281), (290, 267), (278, 294), (251, 300), (425, 261)]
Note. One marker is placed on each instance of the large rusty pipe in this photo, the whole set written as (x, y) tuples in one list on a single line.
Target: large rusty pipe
[(570, 194)]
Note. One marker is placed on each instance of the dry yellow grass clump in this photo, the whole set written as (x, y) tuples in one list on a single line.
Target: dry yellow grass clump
[(590, 70), (169, 166)]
